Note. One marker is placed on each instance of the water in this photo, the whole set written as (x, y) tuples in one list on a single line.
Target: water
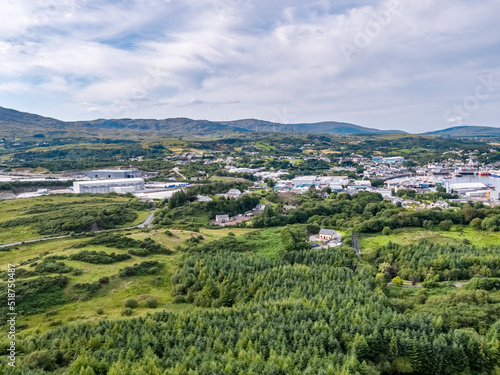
[(493, 181)]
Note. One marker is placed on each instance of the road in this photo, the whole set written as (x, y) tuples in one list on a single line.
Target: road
[(148, 221), (355, 245), (145, 224), (457, 285)]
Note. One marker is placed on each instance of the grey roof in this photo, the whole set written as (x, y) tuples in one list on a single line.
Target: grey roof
[(328, 232)]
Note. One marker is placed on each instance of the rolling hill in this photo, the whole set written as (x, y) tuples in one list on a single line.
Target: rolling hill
[(12, 120), (467, 131)]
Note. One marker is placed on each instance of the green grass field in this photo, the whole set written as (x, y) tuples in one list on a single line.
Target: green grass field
[(111, 297), (458, 233), (16, 208), (229, 179)]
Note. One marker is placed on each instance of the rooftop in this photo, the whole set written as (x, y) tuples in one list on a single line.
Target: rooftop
[(328, 232)]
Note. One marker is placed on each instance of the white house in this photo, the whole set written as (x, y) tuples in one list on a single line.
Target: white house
[(327, 234), (222, 219), (233, 193), (440, 204)]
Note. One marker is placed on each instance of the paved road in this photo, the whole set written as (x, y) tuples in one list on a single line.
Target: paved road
[(355, 245), (148, 221), (145, 224), (457, 285)]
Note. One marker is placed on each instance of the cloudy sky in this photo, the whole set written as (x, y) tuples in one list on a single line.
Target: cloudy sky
[(405, 64)]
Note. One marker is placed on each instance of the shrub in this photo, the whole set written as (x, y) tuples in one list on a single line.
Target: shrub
[(483, 283), (88, 288), (77, 272), (152, 303), (132, 303), (40, 360), (397, 282), (141, 269), (445, 225), (386, 231), (179, 299), (476, 223), (127, 312), (101, 257), (100, 311), (104, 280), (48, 266)]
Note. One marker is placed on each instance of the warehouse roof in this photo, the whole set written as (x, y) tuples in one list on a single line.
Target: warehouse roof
[(107, 182)]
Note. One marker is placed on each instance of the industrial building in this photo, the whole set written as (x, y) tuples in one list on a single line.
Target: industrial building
[(126, 185), (466, 187), (114, 173), (389, 160)]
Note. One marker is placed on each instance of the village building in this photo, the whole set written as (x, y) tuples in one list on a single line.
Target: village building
[(221, 219)]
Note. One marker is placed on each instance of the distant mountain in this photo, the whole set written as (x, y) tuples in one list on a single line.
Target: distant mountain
[(11, 116), (13, 120), (328, 127), (457, 131)]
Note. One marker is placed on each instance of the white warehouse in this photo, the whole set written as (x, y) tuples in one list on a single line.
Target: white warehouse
[(126, 185)]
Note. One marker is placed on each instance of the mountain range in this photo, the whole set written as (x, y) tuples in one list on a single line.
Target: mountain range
[(14, 121), (461, 131)]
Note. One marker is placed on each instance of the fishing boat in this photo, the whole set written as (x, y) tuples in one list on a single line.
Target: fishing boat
[(495, 173)]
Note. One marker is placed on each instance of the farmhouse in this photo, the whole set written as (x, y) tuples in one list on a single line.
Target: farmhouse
[(327, 234)]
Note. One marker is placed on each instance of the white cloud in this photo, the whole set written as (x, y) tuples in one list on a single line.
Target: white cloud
[(234, 59)]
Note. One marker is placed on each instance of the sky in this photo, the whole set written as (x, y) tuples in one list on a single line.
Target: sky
[(391, 64)]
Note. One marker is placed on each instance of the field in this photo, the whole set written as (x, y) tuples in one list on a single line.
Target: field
[(409, 235), (110, 297), (45, 207)]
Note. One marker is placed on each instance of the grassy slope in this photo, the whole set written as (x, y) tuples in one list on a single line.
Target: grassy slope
[(457, 234), (111, 297), (14, 208)]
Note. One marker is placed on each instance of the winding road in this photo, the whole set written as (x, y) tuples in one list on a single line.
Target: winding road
[(145, 224)]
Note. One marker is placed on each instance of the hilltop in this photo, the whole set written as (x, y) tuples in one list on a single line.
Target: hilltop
[(11, 120)]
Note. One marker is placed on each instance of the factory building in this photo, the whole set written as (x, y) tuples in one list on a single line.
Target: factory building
[(114, 173), (389, 160), (126, 185), (466, 187)]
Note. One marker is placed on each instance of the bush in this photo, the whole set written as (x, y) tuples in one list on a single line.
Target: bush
[(483, 283), (428, 224), (445, 225), (100, 311), (132, 303), (386, 231), (141, 269), (397, 282), (40, 360), (87, 288), (179, 299), (169, 234), (152, 303), (77, 272), (476, 223), (101, 257), (104, 280), (127, 312)]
